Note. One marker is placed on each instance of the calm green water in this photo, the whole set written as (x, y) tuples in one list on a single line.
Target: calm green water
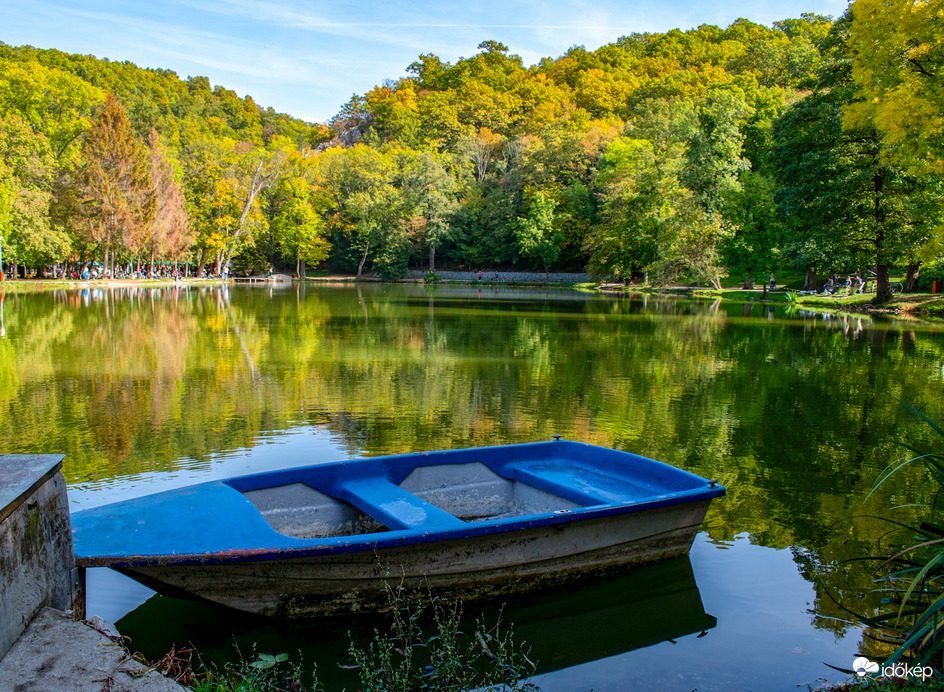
[(147, 389)]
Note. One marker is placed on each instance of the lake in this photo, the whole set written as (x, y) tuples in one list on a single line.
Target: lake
[(796, 413)]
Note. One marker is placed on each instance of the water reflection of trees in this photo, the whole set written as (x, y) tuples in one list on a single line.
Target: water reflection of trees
[(795, 414)]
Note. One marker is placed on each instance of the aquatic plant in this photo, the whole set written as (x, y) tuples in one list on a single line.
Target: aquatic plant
[(912, 579), (440, 657), (423, 650), (264, 673)]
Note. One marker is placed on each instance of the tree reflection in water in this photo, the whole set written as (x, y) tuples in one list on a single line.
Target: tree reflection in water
[(794, 413)]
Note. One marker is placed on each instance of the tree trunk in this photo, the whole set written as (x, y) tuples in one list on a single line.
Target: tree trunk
[(911, 278), (302, 268), (810, 283), (203, 256), (883, 290), (432, 257), (360, 266), (748, 284)]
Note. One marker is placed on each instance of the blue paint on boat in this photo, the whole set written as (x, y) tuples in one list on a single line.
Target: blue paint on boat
[(218, 523)]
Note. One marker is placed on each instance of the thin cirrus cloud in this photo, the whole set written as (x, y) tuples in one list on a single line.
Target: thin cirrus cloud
[(307, 57)]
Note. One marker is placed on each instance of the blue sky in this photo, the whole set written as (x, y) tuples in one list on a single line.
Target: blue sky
[(307, 57)]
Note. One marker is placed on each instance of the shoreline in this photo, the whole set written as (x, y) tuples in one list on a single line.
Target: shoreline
[(911, 305)]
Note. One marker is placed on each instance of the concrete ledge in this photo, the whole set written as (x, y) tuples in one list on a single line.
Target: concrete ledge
[(36, 555), (59, 653)]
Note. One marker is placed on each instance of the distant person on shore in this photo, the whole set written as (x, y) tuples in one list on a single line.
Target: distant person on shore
[(480, 275), (773, 283)]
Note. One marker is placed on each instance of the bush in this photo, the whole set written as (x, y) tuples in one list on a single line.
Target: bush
[(392, 263)]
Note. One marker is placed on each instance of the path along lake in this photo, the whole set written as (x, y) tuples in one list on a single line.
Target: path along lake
[(151, 388)]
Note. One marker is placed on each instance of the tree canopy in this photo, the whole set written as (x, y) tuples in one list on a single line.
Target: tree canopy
[(678, 155)]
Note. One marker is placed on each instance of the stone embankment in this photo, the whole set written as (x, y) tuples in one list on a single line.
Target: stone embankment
[(515, 277), (43, 648)]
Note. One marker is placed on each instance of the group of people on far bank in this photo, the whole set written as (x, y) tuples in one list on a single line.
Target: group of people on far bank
[(853, 284)]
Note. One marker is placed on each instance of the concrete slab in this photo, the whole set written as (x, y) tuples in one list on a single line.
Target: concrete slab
[(58, 653), (22, 473)]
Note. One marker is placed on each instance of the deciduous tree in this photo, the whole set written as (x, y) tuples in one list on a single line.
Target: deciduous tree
[(113, 184), (170, 234), (539, 234), (897, 54)]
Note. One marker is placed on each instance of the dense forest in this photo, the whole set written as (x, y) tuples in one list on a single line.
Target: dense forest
[(814, 145)]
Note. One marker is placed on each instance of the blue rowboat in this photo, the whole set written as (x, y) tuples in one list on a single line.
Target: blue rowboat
[(323, 539)]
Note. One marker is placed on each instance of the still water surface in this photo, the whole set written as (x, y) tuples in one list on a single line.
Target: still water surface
[(146, 389)]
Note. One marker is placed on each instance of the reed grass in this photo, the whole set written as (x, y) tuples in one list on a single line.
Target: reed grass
[(912, 579)]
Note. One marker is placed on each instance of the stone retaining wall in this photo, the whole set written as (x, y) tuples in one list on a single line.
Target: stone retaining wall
[(36, 557), (517, 277)]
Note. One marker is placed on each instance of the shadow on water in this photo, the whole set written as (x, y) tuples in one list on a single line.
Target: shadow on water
[(581, 622)]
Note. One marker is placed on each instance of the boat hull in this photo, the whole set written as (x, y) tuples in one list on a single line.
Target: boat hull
[(471, 567)]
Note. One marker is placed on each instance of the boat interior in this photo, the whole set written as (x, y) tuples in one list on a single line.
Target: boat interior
[(441, 496)]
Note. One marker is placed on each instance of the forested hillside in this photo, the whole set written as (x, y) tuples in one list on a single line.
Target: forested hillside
[(812, 144)]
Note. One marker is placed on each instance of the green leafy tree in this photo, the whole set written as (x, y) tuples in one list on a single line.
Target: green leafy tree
[(299, 229), (636, 204), (841, 202), (51, 101), (642, 192), (27, 168), (213, 206), (429, 187), (754, 246), (714, 163), (897, 55), (359, 201), (539, 234), (250, 171)]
